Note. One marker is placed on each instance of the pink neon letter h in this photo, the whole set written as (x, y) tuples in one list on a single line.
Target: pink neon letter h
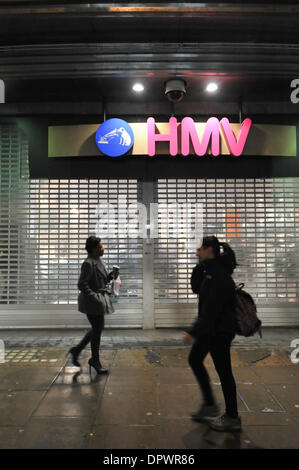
[(152, 137)]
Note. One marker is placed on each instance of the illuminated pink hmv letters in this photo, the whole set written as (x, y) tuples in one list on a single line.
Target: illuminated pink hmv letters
[(236, 146), (189, 133), (172, 137)]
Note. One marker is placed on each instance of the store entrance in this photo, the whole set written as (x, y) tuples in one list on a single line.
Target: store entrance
[(44, 224)]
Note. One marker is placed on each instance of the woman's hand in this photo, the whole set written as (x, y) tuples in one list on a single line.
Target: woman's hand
[(187, 338)]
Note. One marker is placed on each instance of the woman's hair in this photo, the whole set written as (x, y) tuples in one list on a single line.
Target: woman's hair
[(227, 257), (91, 242)]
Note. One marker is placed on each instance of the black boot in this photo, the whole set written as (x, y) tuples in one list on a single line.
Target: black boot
[(97, 366), (75, 354)]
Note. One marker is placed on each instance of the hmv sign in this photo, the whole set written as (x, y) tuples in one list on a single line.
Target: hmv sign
[(188, 134), (116, 137)]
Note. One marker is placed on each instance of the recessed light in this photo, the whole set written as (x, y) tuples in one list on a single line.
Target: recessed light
[(138, 87), (211, 87)]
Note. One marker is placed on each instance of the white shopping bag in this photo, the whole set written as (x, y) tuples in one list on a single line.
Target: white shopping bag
[(115, 288)]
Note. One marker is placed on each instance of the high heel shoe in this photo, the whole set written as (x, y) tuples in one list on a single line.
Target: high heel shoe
[(74, 353), (97, 366)]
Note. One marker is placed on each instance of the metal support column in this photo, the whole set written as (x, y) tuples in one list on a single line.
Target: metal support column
[(148, 260)]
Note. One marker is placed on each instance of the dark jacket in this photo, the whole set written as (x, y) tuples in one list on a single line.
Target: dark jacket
[(215, 288), (93, 284)]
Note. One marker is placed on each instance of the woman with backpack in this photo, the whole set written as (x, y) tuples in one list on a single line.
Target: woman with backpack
[(213, 331)]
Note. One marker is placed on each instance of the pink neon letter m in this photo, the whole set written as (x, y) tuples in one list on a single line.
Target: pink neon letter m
[(211, 131)]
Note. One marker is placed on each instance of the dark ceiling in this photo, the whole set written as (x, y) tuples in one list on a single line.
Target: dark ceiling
[(54, 22), (66, 51)]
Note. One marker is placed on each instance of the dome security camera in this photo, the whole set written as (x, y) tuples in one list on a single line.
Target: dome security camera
[(175, 89)]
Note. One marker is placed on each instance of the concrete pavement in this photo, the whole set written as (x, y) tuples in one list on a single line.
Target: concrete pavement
[(145, 400)]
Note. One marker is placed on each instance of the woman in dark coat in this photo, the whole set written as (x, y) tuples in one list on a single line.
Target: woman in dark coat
[(94, 301), (213, 332)]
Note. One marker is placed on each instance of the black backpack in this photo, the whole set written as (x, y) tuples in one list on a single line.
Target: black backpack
[(245, 309)]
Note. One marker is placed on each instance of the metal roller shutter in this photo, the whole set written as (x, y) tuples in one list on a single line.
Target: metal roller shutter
[(260, 219), (44, 224)]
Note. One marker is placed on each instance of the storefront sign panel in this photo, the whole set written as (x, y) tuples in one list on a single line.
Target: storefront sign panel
[(215, 137)]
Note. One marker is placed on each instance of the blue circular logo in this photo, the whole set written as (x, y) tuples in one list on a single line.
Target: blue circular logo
[(114, 137)]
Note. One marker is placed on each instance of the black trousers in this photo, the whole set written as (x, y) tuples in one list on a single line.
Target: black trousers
[(93, 336), (219, 348)]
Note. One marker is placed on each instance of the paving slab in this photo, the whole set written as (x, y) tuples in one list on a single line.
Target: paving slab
[(278, 374), (245, 374), (55, 433), (125, 437), (252, 355), (28, 378), (132, 358), (132, 407), (174, 357), (182, 433), (272, 437), (228, 440), (178, 401), (295, 420), (277, 358), (288, 396), (77, 400), (241, 374), (16, 407), (9, 436), (266, 419), (258, 398), (132, 379), (176, 375)]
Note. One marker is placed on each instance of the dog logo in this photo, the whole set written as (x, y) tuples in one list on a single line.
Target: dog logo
[(114, 137)]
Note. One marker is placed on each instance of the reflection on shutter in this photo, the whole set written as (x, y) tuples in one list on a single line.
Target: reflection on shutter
[(260, 219), (44, 225)]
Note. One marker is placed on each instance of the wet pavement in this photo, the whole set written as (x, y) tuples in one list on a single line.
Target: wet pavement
[(118, 338), (144, 402)]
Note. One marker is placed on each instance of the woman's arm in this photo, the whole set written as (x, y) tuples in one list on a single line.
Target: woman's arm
[(213, 305), (84, 279), (197, 276)]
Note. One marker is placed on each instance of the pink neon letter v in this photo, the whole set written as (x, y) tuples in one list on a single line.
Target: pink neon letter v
[(235, 146)]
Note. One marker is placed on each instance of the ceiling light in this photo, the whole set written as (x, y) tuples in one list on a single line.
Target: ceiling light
[(212, 87), (138, 87)]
